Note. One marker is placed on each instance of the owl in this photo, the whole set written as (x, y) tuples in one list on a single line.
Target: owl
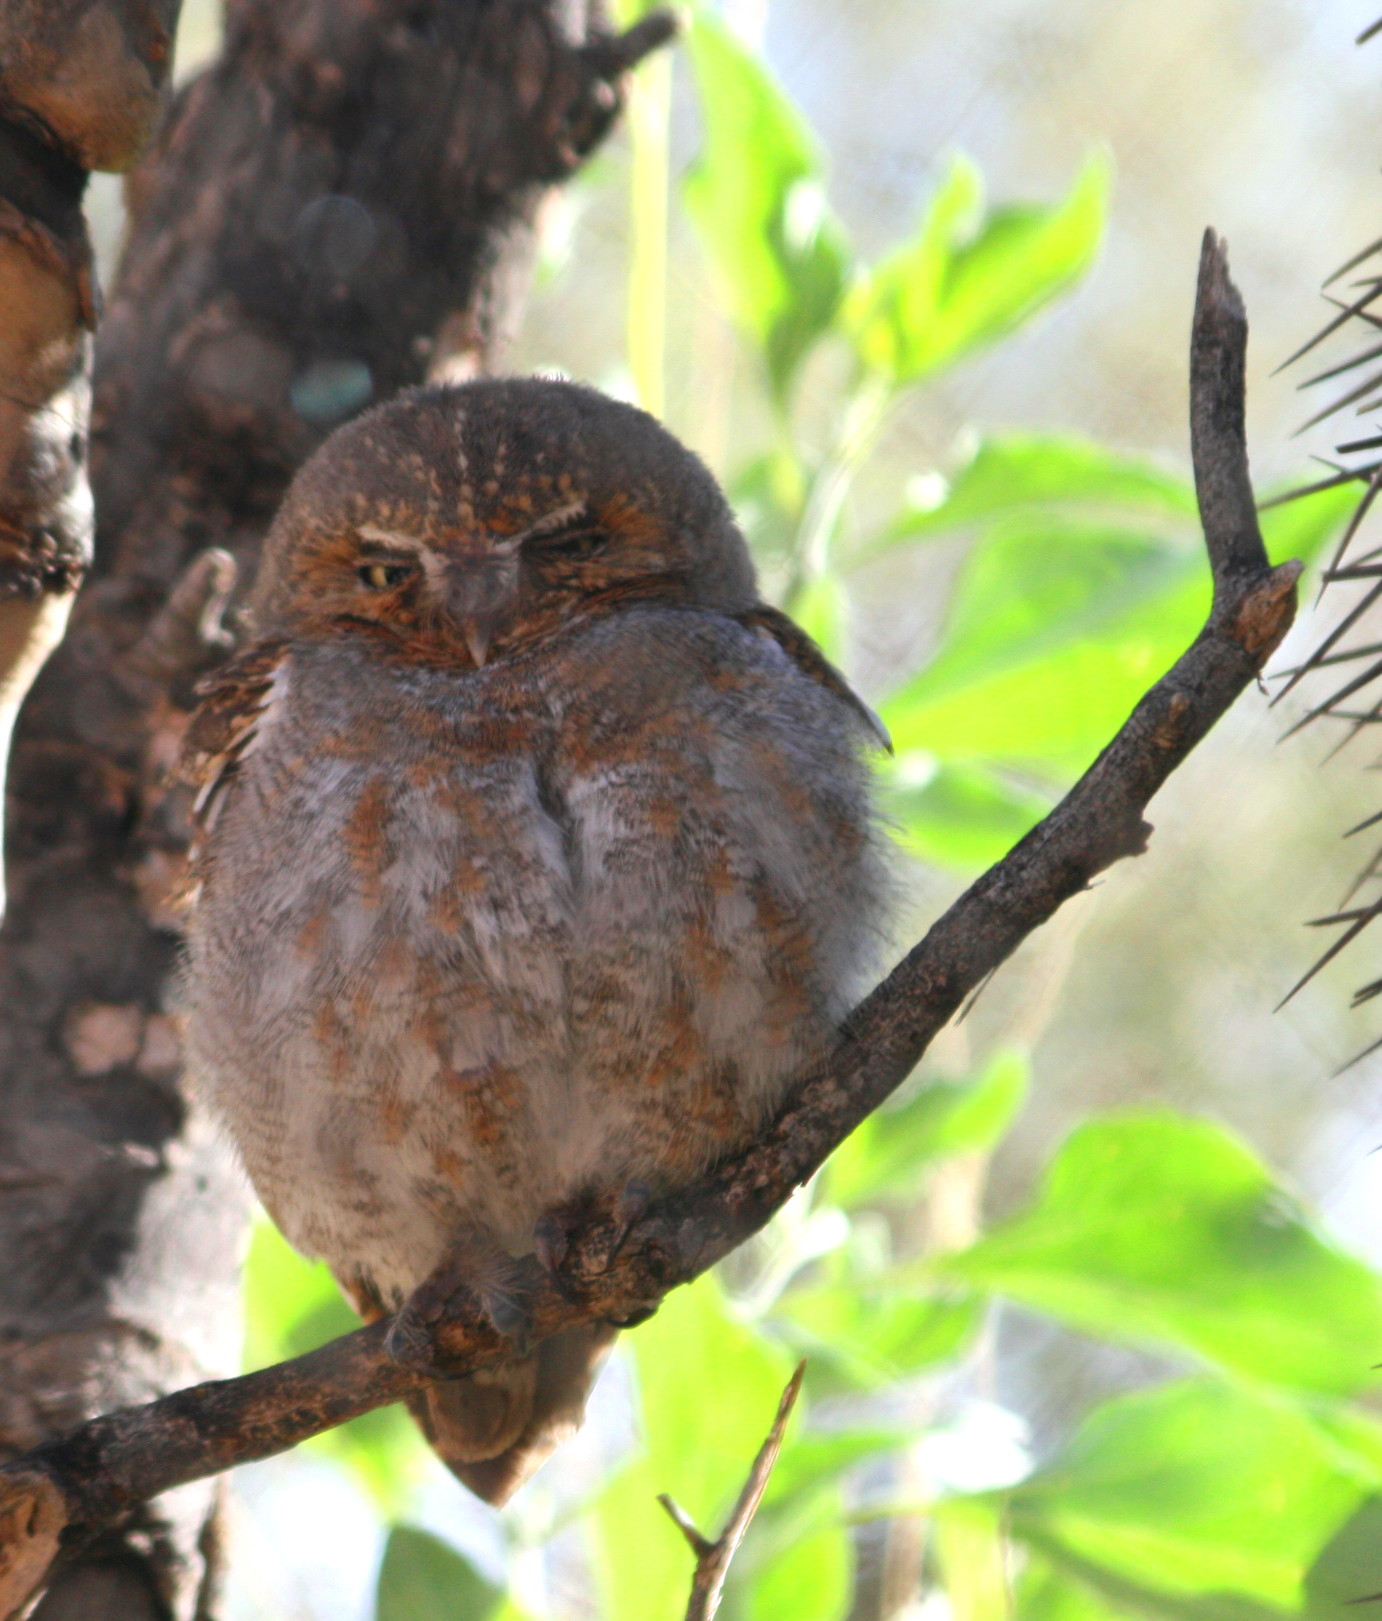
[(534, 862)]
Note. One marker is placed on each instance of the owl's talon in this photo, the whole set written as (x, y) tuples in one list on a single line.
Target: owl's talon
[(552, 1240), (410, 1345), (475, 1270), (634, 1201)]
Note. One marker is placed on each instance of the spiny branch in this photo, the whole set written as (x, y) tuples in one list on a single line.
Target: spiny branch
[(1335, 648), (103, 1469)]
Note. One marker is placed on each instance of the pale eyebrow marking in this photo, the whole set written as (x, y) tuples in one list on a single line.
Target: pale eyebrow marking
[(544, 525), (432, 565), (391, 537)]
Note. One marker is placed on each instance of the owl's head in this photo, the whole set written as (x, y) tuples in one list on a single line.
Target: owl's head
[(472, 521)]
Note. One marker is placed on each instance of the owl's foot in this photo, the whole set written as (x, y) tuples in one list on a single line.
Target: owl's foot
[(475, 1268), (556, 1227)]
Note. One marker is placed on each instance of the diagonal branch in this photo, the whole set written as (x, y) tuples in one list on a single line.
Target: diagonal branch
[(103, 1469)]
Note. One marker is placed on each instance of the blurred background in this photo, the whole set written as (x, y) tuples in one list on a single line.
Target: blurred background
[(1124, 1371)]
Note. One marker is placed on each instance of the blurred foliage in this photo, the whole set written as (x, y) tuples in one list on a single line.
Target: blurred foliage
[(1248, 1484)]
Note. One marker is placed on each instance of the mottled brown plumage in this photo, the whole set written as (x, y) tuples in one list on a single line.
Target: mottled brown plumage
[(535, 861)]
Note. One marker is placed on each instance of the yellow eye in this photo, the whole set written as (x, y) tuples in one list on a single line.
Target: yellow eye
[(384, 576)]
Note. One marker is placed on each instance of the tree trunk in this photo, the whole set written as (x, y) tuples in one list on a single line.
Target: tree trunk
[(342, 203)]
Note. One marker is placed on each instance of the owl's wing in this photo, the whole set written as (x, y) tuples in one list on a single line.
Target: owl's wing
[(234, 702), (809, 659)]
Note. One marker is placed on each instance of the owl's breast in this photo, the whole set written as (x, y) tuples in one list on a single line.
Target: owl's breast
[(377, 978)]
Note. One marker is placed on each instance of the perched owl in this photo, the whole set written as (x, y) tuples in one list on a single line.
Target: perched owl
[(534, 862)]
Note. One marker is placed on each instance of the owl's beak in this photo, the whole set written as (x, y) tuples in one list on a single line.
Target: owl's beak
[(477, 638), (480, 592)]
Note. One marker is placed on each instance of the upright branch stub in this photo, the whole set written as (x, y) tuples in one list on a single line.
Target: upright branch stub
[(713, 1558), (1218, 437), (107, 1466)]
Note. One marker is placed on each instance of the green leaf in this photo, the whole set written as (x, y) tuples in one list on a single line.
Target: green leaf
[(961, 816), (1046, 1593), (809, 1580), (1151, 1227), (888, 1155), (1052, 711), (966, 279), (1036, 583), (755, 196), (1201, 1492), (1019, 472), (812, 1460), (820, 609), (969, 1543), (292, 1305), (641, 1563), (874, 1331), (708, 1387), (423, 1578)]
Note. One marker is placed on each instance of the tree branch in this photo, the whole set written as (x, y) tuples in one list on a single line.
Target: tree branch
[(104, 1469), (713, 1558)]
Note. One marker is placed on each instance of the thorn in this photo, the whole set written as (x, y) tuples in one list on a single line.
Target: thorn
[(1346, 313), (1332, 639), (1345, 477), (1338, 405), (1344, 940), (1374, 353)]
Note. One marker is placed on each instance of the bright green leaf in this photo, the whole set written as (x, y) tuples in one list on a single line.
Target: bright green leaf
[(756, 197), (888, 1155), (965, 279), (819, 608), (962, 816), (969, 1543), (1151, 1227), (1055, 711), (708, 1387), (1046, 1593), (641, 1563), (1019, 472), (874, 1331), (1034, 585), (292, 1305), (423, 1578), (1198, 1491), (816, 1459), (809, 1580)]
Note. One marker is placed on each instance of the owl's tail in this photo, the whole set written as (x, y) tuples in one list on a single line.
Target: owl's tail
[(492, 1429)]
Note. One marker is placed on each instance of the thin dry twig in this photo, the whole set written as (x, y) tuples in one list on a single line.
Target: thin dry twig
[(713, 1558), (106, 1467)]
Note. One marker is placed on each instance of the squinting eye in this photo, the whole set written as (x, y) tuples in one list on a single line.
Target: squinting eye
[(384, 576), (575, 543)]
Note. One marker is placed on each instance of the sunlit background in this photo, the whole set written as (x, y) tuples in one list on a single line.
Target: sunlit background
[(1002, 635)]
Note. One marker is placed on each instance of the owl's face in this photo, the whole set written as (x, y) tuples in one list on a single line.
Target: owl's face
[(459, 524)]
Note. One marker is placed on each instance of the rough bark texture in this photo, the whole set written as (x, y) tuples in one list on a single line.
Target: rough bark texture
[(72, 1488), (81, 84), (347, 196)]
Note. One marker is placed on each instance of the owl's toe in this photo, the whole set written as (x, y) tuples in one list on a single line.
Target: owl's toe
[(476, 1271), (633, 1203)]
